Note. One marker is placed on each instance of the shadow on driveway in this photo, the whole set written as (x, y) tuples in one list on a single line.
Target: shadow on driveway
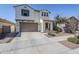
[(8, 37)]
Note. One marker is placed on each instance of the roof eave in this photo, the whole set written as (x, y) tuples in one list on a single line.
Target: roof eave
[(23, 4)]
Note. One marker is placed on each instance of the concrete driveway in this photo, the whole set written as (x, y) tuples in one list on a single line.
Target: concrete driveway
[(35, 43)]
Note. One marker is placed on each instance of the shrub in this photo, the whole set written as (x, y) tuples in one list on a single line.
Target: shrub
[(74, 40), (68, 30), (57, 29), (52, 34)]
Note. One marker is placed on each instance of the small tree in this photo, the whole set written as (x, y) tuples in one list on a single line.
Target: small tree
[(58, 19)]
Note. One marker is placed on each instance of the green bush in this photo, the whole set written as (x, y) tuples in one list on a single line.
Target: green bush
[(69, 30), (74, 40), (57, 29)]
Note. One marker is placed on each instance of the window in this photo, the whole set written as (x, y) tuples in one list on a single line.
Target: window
[(47, 14), (44, 14), (24, 12)]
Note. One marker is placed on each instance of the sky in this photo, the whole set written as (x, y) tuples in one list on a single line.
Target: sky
[(8, 12)]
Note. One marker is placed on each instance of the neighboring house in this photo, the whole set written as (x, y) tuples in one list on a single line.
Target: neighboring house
[(31, 20), (69, 24), (72, 23), (6, 26), (78, 25)]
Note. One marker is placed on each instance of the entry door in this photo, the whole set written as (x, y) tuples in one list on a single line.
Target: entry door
[(47, 26)]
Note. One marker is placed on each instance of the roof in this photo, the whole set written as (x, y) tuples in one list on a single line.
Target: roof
[(6, 21), (30, 7), (74, 18), (22, 5), (37, 10)]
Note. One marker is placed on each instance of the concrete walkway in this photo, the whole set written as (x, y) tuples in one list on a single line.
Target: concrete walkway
[(36, 43)]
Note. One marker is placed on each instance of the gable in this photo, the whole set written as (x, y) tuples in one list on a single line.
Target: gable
[(23, 6)]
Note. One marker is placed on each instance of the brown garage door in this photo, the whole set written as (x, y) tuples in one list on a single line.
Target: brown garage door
[(29, 27)]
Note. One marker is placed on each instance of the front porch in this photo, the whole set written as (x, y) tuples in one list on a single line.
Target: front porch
[(47, 25)]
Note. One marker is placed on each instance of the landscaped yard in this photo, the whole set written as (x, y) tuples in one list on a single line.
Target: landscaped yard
[(69, 44), (38, 43), (56, 34)]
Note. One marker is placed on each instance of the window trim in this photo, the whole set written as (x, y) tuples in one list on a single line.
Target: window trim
[(25, 11), (45, 14)]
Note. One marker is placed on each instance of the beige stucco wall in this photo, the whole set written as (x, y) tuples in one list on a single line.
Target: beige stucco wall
[(4, 24), (13, 28)]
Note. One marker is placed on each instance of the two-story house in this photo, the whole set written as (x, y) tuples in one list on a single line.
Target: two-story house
[(31, 20)]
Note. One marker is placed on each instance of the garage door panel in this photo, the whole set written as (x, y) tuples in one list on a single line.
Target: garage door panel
[(29, 27)]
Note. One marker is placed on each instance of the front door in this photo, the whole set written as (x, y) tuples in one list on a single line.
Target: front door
[(47, 26)]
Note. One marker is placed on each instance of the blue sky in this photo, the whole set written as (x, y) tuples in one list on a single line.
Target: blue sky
[(7, 11)]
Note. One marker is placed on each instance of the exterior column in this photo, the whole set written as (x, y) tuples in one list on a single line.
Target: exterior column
[(51, 26), (17, 26), (42, 25), (48, 26)]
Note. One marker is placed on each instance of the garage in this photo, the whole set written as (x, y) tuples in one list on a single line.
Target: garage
[(28, 27), (6, 29)]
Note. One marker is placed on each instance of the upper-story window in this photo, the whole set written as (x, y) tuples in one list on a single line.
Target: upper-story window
[(24, 12), (47, 14), (44, 14)]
